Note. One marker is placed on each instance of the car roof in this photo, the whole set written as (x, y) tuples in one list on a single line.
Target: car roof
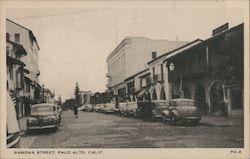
[(44, 104), (159, 101)]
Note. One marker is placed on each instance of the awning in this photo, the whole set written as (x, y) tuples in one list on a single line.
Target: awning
[(142, 92), (11, 60)]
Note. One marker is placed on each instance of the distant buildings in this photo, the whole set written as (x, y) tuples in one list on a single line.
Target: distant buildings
[(85, 97), (47, 96)]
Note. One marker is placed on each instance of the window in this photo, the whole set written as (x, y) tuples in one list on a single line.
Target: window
[(8, 50), (17, 38), (11, 72), (154, 55)]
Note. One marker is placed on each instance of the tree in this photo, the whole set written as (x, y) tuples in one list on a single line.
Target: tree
[(77, 94)]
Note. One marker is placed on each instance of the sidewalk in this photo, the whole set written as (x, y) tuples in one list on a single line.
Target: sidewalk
[(22, 124), (222, 121)]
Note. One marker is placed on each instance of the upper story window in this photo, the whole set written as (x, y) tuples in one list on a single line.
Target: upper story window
[(17, 38)]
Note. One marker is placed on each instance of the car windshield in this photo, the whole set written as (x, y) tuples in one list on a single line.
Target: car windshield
[(39, 109)]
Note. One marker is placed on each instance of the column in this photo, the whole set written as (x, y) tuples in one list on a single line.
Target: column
[(166, 83)]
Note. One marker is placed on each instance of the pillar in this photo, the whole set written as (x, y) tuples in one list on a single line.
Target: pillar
[(167, 87)]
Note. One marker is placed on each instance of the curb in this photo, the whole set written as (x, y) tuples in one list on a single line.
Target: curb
[(219, 125)]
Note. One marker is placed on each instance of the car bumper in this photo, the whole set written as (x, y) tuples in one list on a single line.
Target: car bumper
[(41, 127), (191, 119)]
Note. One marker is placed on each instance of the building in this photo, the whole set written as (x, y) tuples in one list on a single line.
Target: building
[(130, 57), (160, 87), (15, 73), (211, 72), (47, 96), (25, 38), (85, 97)]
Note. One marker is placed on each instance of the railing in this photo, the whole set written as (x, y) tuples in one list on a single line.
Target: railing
[(158, 78)]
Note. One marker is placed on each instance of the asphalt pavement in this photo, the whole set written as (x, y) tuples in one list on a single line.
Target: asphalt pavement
[(97, 130)]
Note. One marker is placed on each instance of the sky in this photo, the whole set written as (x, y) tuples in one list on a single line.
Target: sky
[(75, 42)]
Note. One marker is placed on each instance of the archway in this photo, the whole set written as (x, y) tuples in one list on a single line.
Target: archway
[(154, 96), (162, 94), (200, 99), (187, 92), (216, 95)]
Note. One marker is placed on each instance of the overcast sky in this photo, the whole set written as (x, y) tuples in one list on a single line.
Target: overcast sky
[(75, 42)]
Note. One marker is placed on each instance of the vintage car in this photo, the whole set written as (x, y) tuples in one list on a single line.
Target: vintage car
[(89, 107), (183, 110), (99, 107), (131, 109), (121, 109), (109, 108), (158, 106), (144, 110), (43, 116)]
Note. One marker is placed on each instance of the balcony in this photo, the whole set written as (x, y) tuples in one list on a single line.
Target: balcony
[(158, 78)]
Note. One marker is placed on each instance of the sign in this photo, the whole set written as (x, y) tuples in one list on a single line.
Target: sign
[(220, 29)]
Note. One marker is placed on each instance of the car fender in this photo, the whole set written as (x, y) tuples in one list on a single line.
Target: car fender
[(175, 112)]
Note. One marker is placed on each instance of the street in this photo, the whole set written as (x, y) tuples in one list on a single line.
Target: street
[(97, 130)]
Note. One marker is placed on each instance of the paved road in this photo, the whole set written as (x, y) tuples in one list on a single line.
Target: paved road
[(96, 130)]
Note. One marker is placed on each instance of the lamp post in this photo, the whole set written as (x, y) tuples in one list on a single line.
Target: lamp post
[(171, 68)]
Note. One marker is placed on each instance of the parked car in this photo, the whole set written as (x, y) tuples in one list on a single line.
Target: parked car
[(131, 109), (109, 108), (183, 110), (144, 110), (98, 107), (158, 106), (89, 107), (43, 116), (121, 109), (80, 108)]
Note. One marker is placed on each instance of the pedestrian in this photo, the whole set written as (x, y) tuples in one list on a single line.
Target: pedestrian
[(13, 130), (76, 111)]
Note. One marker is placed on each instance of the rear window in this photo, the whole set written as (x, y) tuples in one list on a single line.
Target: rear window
[(42, 109)]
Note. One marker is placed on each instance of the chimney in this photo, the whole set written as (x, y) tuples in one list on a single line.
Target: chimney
[(154, 55)]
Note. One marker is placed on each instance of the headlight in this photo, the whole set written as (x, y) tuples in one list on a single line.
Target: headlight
[(30, 120)]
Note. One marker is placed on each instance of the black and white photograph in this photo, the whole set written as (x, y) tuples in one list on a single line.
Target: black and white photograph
[(125, 79)]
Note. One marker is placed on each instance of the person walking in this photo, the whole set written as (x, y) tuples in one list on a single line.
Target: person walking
[(76, 111)]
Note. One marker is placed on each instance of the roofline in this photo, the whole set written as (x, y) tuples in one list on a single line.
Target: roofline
[(113, 52), (26, 29), (136, 74), (223, 32), (176, 49)]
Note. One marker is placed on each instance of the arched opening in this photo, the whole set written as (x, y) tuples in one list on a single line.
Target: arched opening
[(200, 99), (162, 94), (154, 96), (216, 96), (187, 92)]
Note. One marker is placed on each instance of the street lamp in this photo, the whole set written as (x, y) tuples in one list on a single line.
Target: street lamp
[(171, 68)]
